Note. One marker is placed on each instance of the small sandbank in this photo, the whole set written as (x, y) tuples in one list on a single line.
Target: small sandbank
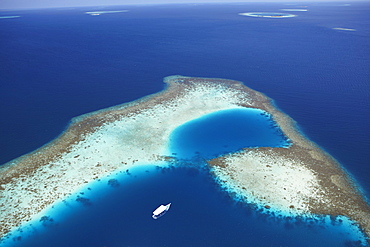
[(298, 180)]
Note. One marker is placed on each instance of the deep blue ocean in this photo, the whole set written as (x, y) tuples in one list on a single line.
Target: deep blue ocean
[(56, 64)]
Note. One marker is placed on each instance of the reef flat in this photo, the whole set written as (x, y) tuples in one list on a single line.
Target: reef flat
[(299, 180)]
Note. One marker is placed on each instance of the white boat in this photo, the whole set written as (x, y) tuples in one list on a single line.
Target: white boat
[(160, 211)]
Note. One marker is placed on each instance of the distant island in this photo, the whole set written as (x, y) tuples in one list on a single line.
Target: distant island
[(105, 12), (344, 29), (295, 180), (267, 15), (9, 16)]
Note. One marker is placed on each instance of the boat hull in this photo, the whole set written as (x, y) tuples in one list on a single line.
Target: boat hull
[(160, 211)]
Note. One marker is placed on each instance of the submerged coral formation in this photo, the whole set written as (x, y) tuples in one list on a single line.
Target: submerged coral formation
[(299, 179)]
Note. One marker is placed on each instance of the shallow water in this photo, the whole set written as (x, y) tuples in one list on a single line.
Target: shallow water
[(226, 131)]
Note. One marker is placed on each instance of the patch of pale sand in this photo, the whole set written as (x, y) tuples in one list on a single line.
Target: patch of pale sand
[(270, 180), (140, 138)]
